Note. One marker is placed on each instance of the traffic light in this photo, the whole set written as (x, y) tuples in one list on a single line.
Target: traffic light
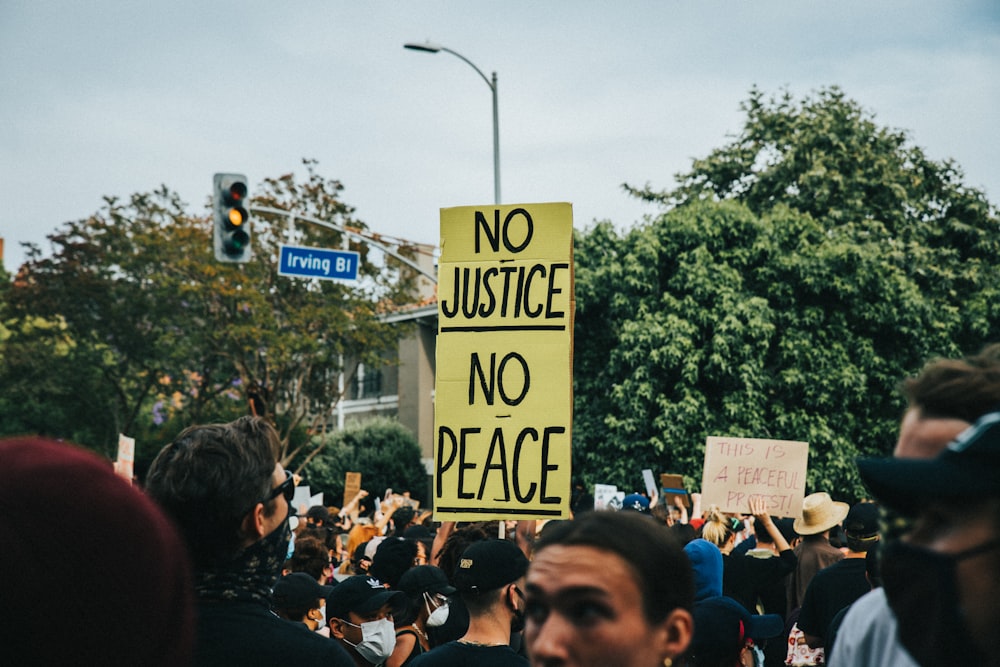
[(232, 222)]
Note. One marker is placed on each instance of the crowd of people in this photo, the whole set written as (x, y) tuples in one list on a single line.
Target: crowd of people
[(203, 567)]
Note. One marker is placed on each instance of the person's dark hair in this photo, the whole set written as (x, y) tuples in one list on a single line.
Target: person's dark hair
[(311, 556), (327, 536), (962, 389), (394, 556), (407, 611), (481, 603), (401, 519), (838, 538), (210, 477), (297, 615), (457, 542), (760, 532), (659, 564), (683, 532)]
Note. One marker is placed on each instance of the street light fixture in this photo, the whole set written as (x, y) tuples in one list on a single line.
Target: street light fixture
[(430, 47)]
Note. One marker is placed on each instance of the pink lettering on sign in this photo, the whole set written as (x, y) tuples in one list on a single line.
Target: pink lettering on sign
[(739, 469)]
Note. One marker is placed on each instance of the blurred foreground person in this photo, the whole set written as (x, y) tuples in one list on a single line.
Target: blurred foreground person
[(942, 578), (942, 401), (608, 588), (224, 487), (127, 599)]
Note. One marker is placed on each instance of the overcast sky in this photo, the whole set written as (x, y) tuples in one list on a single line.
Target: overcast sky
[(110, 98)]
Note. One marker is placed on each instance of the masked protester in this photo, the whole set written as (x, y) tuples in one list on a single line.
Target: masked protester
[(360, 614), (943, 400), (490, 578), (942, 577), (427, 606)]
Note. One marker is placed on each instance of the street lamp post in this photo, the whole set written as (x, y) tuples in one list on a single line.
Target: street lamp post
[(430, 47)]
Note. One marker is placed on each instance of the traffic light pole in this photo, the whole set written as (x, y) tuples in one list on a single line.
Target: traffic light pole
[(352, 233)]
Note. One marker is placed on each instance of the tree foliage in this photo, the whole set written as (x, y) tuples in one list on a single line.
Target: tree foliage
[(795, 277), (156, 334), (382, 450)]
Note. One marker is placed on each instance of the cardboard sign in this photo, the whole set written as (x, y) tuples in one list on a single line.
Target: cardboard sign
[(304, 499), (352, 484), (503, 401), (125, 464), (604, 494), (672, 486), (737, 469)]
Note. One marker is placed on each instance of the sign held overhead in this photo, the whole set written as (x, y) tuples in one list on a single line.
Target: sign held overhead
[(504, 389)]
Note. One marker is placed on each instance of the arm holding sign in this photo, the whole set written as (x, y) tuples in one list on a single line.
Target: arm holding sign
[(351, 507), (383, 520), (443, 532), (679, 502)]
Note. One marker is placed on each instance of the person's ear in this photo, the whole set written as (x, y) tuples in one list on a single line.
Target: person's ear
[(508, 597), (253, 522), (675, 633), (336, 627)]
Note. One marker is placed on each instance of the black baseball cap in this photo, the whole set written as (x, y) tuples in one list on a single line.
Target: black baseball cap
[(862, 520), (298, 590), (487, 565), (362, 595), (425, 579), (968, 468)]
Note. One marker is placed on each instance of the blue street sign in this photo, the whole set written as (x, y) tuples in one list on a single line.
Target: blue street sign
[(321, 263)]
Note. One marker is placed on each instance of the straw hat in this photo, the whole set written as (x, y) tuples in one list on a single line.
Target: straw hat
[(819, 513)]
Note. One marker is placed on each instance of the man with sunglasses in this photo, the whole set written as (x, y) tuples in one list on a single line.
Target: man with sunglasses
[(490, 579), (225, 489)]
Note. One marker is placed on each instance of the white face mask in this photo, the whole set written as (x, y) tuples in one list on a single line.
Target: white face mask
[(378, 640), (437, 617)]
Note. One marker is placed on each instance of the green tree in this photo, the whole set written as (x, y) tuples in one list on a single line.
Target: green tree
[(173, 337), (382, 450), (795, 276)]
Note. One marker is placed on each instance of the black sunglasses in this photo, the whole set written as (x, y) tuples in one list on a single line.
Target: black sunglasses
[(287, 488)]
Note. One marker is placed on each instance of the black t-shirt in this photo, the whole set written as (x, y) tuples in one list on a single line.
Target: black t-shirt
[(749, 579), (247, 633), (832, 589), (457, 654)]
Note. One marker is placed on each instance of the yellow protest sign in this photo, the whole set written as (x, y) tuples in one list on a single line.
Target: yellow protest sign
[(503, 400), (737, 469)]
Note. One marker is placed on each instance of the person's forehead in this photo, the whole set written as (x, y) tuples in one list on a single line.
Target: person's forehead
[(571, 566), (384, 610), (925, 437)]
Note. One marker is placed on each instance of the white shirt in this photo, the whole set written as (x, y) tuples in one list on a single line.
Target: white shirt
[(867, 637)]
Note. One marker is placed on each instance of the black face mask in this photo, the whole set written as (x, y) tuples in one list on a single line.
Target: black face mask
[(922, 590)]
